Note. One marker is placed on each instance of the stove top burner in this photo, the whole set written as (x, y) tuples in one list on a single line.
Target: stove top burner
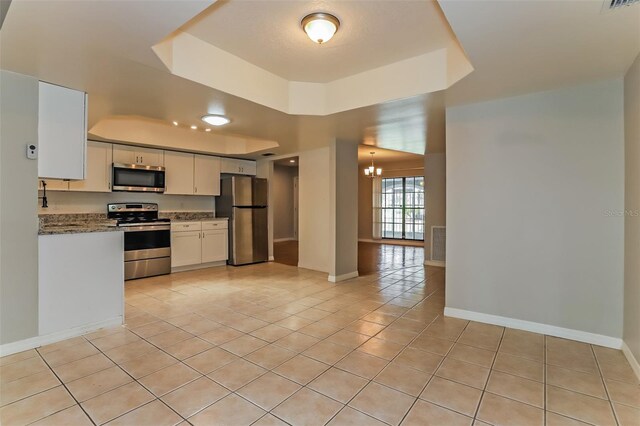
[(130, 214)]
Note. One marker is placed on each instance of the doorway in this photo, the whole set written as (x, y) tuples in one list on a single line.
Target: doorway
[(285, 211)]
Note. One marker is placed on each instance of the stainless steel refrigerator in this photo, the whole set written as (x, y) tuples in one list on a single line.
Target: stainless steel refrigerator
[(243, 199)]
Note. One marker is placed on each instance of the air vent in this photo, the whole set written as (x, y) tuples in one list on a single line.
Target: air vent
[(268, 154), (616, 4)]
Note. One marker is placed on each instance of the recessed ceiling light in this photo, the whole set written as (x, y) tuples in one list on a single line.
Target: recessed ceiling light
[(194, 127), (320, 27), (207, 130), (175, 123), (215, 119), (292, 161)]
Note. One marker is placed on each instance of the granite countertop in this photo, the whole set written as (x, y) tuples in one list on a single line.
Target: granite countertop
[(78, 223), (75, 223), (204, 219), (188, 216), (77, 228)]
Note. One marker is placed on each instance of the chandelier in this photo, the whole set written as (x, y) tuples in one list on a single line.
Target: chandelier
[(372, 171)]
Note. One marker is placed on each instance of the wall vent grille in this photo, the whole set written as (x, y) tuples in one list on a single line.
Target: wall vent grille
[(438, 243), (616, 4)]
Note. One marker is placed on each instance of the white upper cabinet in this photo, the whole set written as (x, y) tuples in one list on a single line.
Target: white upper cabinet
[(178, 173), (125, 154), (206, 175), (99, 160), (62, 132), (238, 167)]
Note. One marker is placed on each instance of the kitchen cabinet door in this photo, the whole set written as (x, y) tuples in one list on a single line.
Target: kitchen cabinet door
[(124, 154), (99, 165), (54, 184), (248, 167), (178, 173), (214, 245), (186, 248), (207, 175), (150, 157), (62, 132), (238, 167)]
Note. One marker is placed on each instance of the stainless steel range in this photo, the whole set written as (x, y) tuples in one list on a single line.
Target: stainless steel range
[(147, 239)]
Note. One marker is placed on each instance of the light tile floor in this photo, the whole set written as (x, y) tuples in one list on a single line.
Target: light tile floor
[(272, 344)]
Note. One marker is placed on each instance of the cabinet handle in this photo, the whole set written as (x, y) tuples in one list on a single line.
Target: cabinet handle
[(141, 160), (200, 235), (195, 189)]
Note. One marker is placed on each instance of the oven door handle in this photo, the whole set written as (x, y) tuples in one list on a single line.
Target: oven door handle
[(147, 228)]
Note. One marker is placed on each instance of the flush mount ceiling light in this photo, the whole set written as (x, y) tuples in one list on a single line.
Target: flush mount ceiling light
[(320, 26), (216, 120)]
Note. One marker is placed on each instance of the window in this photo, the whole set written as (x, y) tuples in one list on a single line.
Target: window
[(403, 208)]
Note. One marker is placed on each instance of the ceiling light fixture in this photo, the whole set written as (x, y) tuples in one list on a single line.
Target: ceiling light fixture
[(320, 26), (292, 161), (216, 120), (194, 127), (175, 123), (372, 171), (207, 130)]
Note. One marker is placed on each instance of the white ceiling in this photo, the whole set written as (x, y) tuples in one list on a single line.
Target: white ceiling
[(384, 155), (371, 34), (525, 46), (104, 48)]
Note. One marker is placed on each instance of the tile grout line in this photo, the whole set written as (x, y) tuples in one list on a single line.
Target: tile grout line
[(65, 386), (604, 385)]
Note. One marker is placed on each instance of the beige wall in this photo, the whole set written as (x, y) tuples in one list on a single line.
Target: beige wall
[(96, 202), (530, 182), (435, 181), (632, 206), (283, 223), (365, 195), (18, 208), (344, 210), (315, 226)]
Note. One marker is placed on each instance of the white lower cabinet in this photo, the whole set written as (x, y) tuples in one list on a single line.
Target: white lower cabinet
[(198, 244), (185, 248)]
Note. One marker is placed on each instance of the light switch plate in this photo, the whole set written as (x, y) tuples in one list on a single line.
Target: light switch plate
[(32, 151)]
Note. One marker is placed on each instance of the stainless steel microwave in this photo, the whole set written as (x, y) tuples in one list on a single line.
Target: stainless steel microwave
[(138, 178)]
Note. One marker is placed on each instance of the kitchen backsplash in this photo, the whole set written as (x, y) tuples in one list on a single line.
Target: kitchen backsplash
[(96, 202)]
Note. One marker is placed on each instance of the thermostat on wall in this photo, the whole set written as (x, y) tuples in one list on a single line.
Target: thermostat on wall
[(32, 151)]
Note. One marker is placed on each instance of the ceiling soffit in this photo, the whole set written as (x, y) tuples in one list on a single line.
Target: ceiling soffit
[(160, 134), (192, 58)]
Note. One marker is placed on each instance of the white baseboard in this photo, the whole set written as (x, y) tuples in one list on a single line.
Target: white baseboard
[(198, 266), (535, 327), (632, 359), (279, 240), (439, 263), (36, 342), (343, 277), (393, 242)]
